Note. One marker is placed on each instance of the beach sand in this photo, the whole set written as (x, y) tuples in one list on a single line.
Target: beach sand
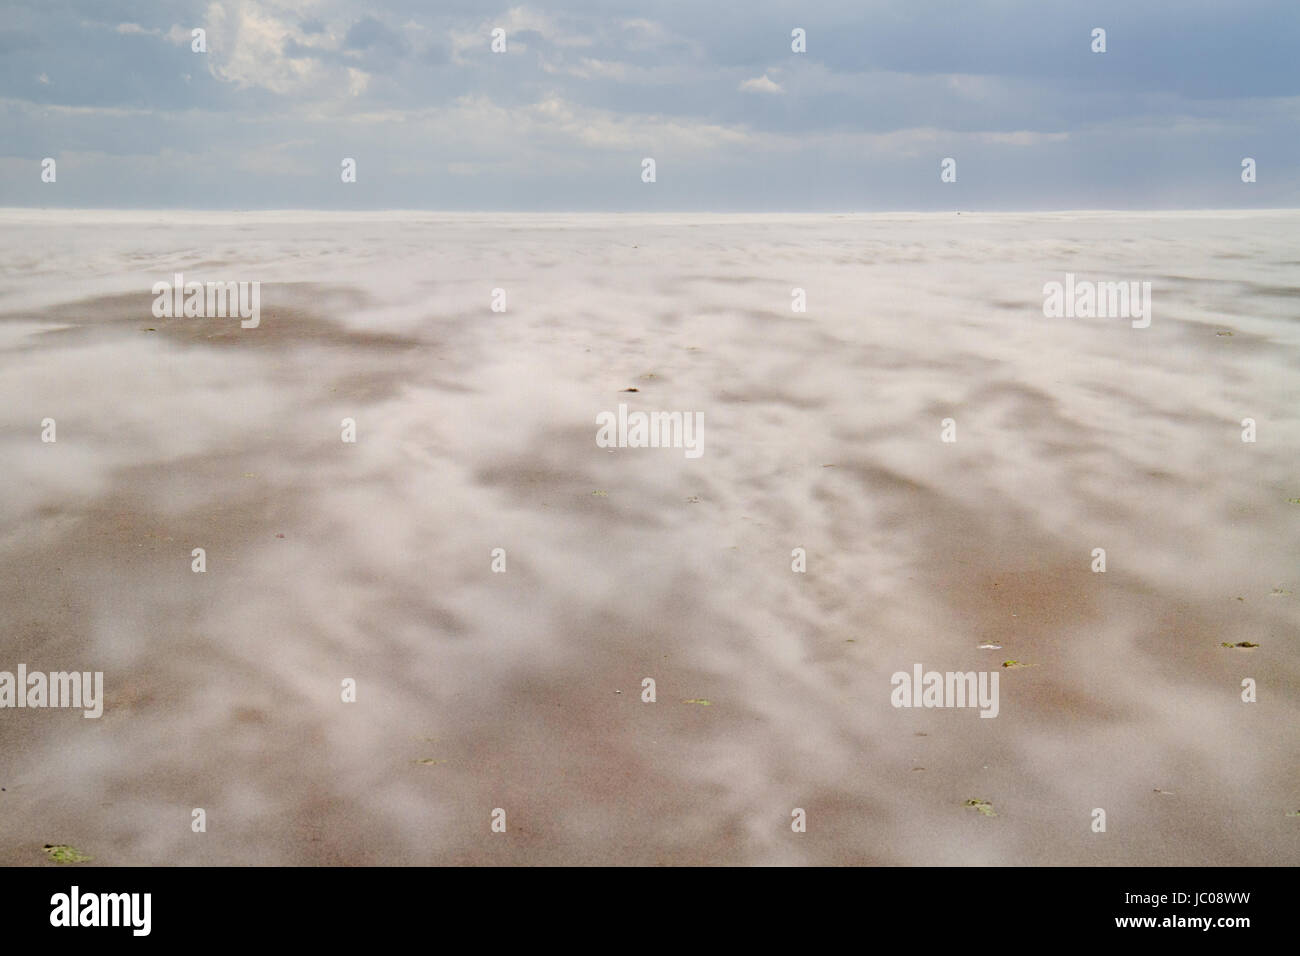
[(522, 690)]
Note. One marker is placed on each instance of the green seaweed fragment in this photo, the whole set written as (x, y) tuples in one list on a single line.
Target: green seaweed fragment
[(1238, 644), (983, 806), (62, 853), (699, 700)]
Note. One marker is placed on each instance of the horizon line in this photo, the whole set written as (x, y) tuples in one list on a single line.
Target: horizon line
[(635, 212)]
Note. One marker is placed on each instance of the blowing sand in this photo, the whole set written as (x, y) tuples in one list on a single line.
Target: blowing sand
[(522, 690)]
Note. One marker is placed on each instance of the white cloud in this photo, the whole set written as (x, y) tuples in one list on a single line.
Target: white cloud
[(514, 21), (605, 69), (1023, 137), (617, 71), (761, 84), (246, 42)]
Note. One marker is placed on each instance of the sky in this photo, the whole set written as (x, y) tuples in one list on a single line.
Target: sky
[(734, 119)]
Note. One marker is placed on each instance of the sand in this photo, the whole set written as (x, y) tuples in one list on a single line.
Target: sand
[(522, 690)]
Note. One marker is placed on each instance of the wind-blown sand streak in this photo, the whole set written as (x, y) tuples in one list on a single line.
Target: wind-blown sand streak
[(477, 430)]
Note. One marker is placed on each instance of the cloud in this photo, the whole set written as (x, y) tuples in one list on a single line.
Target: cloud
[(521, 20), (761, 84), (365, 34), (253, 45), (516, 22), (587, 86), (1022, 137)]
